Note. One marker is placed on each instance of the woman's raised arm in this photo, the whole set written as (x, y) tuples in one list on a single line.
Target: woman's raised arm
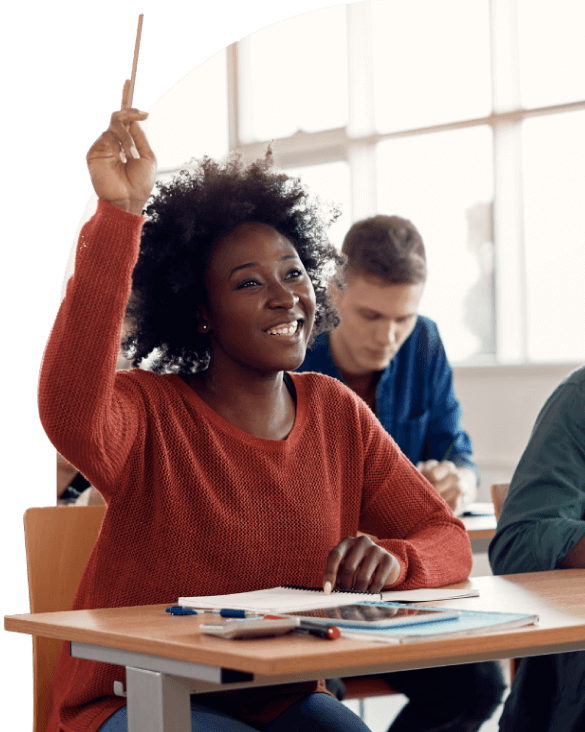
[(121, 163), (91, 421)]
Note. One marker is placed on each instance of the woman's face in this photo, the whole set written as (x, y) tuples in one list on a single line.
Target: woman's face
[(261, 301)]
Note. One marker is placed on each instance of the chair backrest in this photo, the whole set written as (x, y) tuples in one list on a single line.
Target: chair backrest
[(499, 493), (59, 540)]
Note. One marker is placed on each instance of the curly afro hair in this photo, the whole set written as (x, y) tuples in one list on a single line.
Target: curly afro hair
[(185, 217)]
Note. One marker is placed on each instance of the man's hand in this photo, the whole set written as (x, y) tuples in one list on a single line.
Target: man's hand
[(357, 563), (457, 486)]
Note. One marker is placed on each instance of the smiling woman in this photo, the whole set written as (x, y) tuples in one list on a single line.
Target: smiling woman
[(222, 471)]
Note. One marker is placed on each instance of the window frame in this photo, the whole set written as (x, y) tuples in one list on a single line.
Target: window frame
[(356, 145)]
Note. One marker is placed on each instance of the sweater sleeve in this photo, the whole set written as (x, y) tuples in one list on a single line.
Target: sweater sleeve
[(408, 516), (83, 406), (543, 516)]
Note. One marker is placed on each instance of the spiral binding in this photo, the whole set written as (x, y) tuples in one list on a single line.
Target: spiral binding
[(320, 589)]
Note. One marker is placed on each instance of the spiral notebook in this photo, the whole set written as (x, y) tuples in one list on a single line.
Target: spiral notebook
[(290, 599), (279, 600)]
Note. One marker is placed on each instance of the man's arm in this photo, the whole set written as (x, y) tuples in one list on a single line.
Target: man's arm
[(542, 524), (446, 460), (575, 559)]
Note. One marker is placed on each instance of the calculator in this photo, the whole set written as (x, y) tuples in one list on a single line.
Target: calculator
[(250, 627)]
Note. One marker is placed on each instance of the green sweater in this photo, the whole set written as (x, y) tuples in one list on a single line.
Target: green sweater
[(543, 518)]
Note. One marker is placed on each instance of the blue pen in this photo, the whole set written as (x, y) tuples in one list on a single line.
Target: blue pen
[(178, 610), (227, 612)]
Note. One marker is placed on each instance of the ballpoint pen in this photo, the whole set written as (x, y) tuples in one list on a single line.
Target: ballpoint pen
[(330, 632), (178, 610), (227, 612)]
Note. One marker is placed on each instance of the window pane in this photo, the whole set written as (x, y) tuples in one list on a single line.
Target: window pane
[(431, 62), (330, 182), (552, 64), (182, 126), (293, 76), (554, 223), (443, 183)]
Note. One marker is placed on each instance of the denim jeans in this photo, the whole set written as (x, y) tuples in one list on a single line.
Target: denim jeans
[(315, 713)]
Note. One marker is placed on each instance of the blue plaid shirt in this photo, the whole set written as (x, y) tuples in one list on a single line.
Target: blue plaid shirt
[(415, 401)]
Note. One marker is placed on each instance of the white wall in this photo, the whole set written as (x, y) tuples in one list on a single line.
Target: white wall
[(500, 404)]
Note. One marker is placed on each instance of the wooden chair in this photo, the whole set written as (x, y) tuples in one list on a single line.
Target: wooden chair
[(59, 540), (365, 687), (499, 493)]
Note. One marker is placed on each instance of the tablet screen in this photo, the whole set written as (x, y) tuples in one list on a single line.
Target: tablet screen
[(373, 615)]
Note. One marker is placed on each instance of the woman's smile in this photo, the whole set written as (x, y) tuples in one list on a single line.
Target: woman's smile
[(286, 329)]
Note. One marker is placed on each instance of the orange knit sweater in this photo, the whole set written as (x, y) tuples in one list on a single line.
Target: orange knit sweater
[(195, 506)]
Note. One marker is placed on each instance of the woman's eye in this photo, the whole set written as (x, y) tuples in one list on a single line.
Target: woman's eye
[(247, 283), (294, 273)]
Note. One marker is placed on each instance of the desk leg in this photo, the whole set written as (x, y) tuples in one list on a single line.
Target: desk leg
[(157, 702)]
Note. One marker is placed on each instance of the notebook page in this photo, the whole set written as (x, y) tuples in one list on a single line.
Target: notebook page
[(275, 599), (427, 595)]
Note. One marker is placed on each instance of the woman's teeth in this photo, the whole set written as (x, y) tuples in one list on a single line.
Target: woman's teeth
[(287, 329)]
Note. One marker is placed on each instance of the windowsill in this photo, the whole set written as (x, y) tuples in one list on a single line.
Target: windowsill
[(489, 367)]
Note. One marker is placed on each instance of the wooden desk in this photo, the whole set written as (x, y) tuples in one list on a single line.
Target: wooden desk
[(166, 657), (480, 530)]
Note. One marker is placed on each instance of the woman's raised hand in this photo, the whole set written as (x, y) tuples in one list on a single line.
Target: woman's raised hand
[(121, 163)]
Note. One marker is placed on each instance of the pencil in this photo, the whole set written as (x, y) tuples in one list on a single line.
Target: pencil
[(446, 455), (129, 96)]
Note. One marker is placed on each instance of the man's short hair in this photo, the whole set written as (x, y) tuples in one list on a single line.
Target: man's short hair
[(386, 246)]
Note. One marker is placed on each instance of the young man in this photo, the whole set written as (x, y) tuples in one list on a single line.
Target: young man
[(394, 358), (542, 527)]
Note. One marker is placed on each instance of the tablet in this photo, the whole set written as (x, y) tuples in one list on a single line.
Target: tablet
[(372, 615)]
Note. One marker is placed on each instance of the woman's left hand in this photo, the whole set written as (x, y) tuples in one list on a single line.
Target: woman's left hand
[(358, 563)]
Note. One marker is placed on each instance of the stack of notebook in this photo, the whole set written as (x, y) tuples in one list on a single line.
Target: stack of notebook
[(283, 600)]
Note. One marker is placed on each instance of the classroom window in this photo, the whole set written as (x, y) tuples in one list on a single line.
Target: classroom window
[(443, 183), (551, 52), (465, 117), (554, 222), (431, 62), (292, 77)]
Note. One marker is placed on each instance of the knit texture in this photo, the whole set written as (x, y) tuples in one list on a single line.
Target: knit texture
[(196, 506)]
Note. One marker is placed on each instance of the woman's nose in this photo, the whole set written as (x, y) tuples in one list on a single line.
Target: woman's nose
[(282, 296)]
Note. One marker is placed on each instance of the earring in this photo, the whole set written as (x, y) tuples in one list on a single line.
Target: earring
[(204, 326)]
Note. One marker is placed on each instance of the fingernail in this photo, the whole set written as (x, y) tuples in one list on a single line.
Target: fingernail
[(134, 152), (327, 588), (123, 157)]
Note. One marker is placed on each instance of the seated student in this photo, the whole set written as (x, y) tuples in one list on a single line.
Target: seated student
[(542, 527), (394, 358), (212, 464)]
